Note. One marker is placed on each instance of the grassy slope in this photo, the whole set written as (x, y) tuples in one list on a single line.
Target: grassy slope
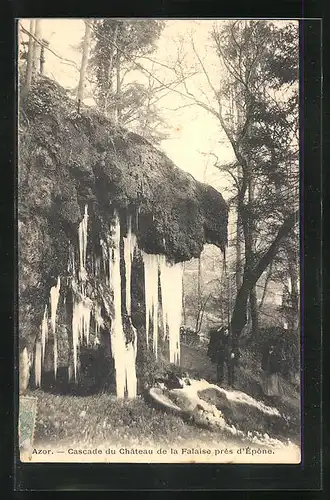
[(94, 420), (97, 419)]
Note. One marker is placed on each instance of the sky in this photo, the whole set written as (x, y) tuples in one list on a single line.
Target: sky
[(193, 131)]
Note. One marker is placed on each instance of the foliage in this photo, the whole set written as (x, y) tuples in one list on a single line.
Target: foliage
[(117, 47), (255, 101), (290, 342), (262, 130), (134, 37)]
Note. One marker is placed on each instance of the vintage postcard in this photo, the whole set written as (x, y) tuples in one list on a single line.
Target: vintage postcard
[(158, 241)]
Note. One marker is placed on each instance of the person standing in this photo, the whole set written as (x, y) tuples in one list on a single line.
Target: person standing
[(271, 366), (218, 350)]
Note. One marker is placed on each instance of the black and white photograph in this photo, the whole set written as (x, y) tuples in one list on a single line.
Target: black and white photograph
[(158, 213)]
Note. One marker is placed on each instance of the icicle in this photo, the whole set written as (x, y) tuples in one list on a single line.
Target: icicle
[(24, 370), (147, 301), (44, 332), (165, 293), (105, 256), (71, 261), (129, 247), (151, 295), (130, 371), (86, 306), (54, 297), (97, 266), (82, 307), (123, 355), (75, 335), (171, 289), (98, 319), (131, 352), (155, 316), (117, 331), (137, 218), (82, 237), (130, 376), (37, 365)]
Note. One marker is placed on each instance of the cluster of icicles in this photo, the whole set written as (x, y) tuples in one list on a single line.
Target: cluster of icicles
[(157, 272)]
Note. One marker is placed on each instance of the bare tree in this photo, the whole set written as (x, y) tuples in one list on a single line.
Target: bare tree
[(257, 59), (84, 61), (184, 313), (36, 47), (29, 65)]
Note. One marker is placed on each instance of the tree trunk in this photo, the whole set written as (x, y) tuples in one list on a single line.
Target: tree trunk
[(29, 65), (109, 82), (84, 61), (239, 277), (294, 293), (19, 41), (254, 312), (239, 316), (222, 293), (239, 235), (42, 56), (199, 293), (264, 293), (184, 299), (201, 314), (251, 276), (118, 90), (251, 252), (36, 47), (199, 281), (197, 320), (294, 323)]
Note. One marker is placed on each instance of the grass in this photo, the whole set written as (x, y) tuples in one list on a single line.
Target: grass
[(96, 419), (102, 418)]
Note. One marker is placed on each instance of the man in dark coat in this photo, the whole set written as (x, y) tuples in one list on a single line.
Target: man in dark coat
[(218, 350)]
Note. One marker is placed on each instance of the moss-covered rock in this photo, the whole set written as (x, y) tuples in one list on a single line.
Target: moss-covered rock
[(69, 159)]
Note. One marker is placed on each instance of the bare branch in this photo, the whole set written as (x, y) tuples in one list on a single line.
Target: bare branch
[(183, 106), (216, 95), (269, 274), (43, 44)]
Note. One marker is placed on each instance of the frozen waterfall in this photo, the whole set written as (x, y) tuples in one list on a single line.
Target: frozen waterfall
[(160, 276), (171, 293), (44, 332), (123, 354), (151, 267), (82, 236), (54, 298), (129, 247), (171, 290)]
